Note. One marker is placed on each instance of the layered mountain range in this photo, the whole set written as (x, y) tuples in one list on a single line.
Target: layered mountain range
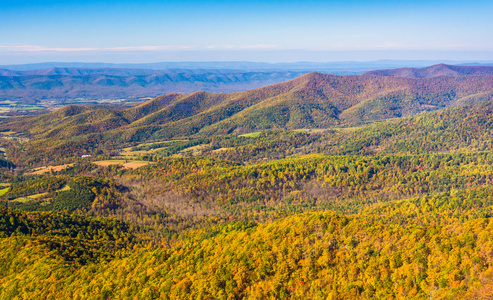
[(63, 84), (313, 100)]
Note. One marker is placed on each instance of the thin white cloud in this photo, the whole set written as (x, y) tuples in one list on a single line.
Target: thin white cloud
[(258, 47), (233, 47), (220, 47), (35, 48), (147, 48), (332, 47), (403, 47)]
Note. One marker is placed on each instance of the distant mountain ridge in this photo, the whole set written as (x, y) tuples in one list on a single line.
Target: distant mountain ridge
[(435, 70), (85, 71), (72, 71), (60, 84), (355, 67)]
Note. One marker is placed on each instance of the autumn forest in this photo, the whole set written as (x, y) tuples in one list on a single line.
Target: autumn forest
[(372, 186)]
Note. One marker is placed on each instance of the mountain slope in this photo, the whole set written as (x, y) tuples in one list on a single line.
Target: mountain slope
[(320, 100), (464, 128), (310, 101)]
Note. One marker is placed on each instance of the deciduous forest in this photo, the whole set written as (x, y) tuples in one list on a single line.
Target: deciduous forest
[(323, 187)]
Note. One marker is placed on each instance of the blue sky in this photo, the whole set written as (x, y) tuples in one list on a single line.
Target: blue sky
[(148, 31)]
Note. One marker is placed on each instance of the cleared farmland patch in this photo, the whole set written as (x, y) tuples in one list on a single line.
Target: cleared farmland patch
[(127, 164), (47, 169)]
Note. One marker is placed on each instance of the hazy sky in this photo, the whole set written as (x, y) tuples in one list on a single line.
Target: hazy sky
[(149, 31)]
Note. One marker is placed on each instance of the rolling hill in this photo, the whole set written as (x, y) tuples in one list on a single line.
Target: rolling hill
[(310, 101)]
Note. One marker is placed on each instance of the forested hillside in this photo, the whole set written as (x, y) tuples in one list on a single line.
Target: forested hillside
[(323, 187), (310, 101), (387, 252)]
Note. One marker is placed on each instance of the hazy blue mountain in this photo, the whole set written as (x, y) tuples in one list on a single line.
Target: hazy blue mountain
[(112, 83), (338, 67), (435, 70)]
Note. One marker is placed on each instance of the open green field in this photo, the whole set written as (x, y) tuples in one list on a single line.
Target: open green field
[(311, 130), (28, 198), (160, 145), (65, 188), (195, 149), (12, 107), (36, 196), (159, 142), (128, 151), (251, 134), (3, 191)]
